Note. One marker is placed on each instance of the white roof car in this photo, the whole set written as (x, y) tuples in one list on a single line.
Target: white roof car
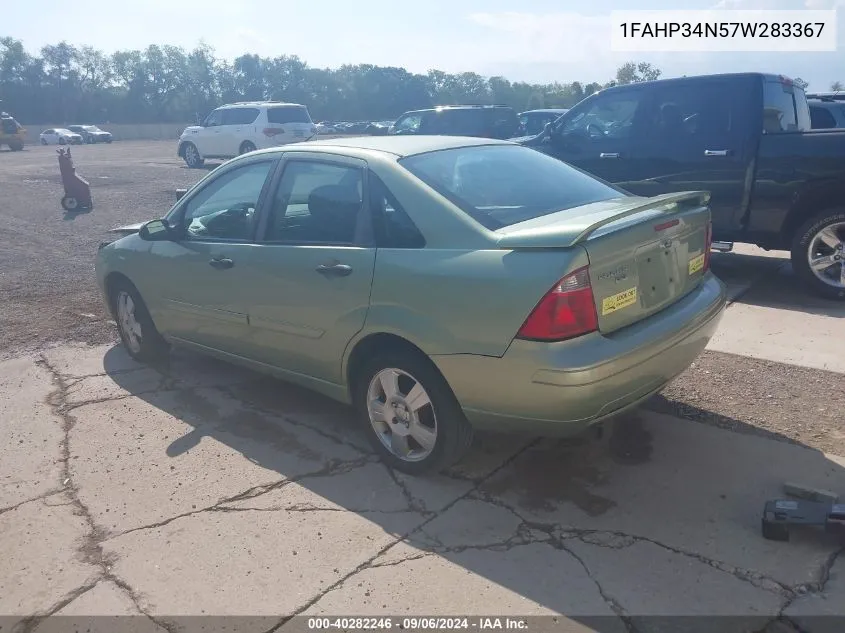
[(238, 128), (59, 136)]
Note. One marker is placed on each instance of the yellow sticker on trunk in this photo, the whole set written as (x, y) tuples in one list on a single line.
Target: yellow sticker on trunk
[(618, 301), (696, 264)]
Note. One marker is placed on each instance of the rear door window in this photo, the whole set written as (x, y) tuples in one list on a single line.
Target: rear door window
[(240, 116), (288, 114)]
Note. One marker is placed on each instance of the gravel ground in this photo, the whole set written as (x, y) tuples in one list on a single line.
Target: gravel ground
[(49, 294)]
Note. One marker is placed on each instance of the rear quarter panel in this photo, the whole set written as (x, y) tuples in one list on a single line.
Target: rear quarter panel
[(798, 175), (451, 301)]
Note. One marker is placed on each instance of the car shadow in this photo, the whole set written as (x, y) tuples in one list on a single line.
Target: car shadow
[(769, 281), (533, 517)]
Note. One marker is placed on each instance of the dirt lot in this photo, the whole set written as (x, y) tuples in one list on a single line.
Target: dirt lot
[(49, 293)]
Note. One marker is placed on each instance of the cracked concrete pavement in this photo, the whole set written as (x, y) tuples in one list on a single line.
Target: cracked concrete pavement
[(204, 489)]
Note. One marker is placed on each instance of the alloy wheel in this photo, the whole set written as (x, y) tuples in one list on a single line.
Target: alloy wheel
[(401, 414), (826, 255), (128, 322)]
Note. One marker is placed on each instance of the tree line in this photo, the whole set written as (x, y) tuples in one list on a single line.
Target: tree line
[(65, 84)]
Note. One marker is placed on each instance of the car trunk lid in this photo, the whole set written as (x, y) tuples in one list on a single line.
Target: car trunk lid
[(645, 253)]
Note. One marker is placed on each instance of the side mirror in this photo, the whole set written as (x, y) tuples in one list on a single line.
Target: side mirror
[(156, 231)]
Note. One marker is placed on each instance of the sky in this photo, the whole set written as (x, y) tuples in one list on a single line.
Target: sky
[(532, 40)]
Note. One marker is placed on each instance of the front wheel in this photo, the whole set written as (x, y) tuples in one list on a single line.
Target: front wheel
[(62, 141), (409, 413), (69, 203), (247, 147), (818, 254), (137, 330), (44, 141), (192, 156)]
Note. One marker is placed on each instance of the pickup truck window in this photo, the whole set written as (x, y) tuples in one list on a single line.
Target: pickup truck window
[(609, 116), (780, 113), (682, 112)]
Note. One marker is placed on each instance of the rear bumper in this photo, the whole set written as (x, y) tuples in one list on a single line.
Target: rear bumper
[(561, 388)]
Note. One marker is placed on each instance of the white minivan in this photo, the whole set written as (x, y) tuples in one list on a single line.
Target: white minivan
[(238, 128)]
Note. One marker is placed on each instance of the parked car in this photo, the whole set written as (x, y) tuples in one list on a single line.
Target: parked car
[(745, 137), (378, 128), (91, 133), (827, 96), (60, 136), (449, 284), (488, 121), (826, 113), (325, 128), (532, 122), (239, 128), (12, 133)]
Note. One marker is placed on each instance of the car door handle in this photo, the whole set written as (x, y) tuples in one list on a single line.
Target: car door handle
[(609, 155), (338, 270), (221, 263), (717, 152)]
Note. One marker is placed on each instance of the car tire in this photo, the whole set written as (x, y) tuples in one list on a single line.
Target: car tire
[(452, 433), (108, 140), (247, 147), (807, 238), (192, 156), (90, 140), (44, 141), (70, 204), (62, 141), (16, 146), (137, 331)]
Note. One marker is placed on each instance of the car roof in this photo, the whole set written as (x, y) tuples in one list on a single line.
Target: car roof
[(258, 104), (547, 110), (397, 145), (470, 106)]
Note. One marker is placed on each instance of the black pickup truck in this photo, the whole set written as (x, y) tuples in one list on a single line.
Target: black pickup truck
[(745, 137)]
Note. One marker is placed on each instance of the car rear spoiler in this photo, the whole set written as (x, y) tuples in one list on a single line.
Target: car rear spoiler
[(667, 203), (574, 230)]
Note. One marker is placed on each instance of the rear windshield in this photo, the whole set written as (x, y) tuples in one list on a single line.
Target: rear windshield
[(501, 185), (288, 114)]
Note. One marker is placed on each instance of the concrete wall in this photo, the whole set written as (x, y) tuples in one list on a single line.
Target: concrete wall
[(123, 131)]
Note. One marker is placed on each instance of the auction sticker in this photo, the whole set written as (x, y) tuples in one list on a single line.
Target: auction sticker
[(618, 301), (696, 264)]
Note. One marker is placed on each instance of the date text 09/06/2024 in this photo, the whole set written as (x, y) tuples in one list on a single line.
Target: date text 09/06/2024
[(416, 623)]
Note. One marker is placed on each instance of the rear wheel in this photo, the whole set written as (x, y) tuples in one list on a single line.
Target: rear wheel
[(44, 141), (16, 146), (63, 141), (69, 203), (818, 254), (137, 330), (409, 413), (247, 147), (192, 156)]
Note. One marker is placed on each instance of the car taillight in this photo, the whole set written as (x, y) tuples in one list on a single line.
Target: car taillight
[(566, 311), (708, 244), (272, 131)]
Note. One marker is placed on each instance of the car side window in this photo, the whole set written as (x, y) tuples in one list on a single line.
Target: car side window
[(214, 119), (408, 124), (821, 118), (225, 207), (316, 202), (240, 116), (609, 116), (393, 226), (693, 113), (779, 111)]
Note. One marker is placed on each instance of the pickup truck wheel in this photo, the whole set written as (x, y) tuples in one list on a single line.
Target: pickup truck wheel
[(818, 254)]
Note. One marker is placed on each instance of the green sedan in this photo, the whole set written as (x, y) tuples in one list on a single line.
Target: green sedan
[(437, 284)]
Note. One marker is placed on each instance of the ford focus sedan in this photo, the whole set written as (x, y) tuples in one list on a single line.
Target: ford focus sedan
[(437, 284)]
